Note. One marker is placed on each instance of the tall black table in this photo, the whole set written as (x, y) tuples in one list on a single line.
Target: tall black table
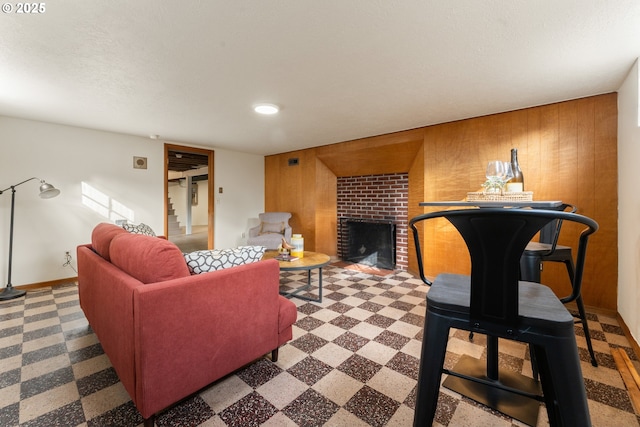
[(537, 204)]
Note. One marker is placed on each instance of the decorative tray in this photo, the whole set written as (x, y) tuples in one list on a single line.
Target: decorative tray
[(523, 196)]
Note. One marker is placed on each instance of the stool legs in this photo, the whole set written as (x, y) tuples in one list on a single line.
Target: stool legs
[(585, 328), (563, 383), (582, 315), (434, 347), (530, 272)]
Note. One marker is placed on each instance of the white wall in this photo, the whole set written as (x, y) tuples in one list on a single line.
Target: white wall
[(241, 177), (90, 168), (629, 203), (100, 164), (200, 212)]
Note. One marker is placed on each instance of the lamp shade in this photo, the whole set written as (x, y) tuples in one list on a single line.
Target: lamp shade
[(48, 191)]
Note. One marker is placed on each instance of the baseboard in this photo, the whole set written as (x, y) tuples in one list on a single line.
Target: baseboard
[(627, 333), (47, 284)]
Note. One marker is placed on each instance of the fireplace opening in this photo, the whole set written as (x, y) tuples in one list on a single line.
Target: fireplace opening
[(369, 242)]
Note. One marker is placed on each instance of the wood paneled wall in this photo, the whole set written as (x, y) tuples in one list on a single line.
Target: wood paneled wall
[(567, 151)]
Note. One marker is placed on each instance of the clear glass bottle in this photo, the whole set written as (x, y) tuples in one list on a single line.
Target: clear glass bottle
[(515, 184)]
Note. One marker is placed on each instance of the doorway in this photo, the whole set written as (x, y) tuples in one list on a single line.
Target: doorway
[(188, 189)]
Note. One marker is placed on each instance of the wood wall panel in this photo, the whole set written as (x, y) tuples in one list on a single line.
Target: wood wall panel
[(568, 151), (416, 195), (385, 154), (605, 178), (293, 189), (557, 147), (326, 208)]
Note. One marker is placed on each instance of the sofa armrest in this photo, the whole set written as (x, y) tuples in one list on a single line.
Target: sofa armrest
[(254, 231), (217, 322), (106, 298)]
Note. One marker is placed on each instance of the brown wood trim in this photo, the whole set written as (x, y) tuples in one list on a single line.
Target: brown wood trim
[(211, 204), (629, 376), (627, 333), (47, 284), (210, 191), (166, 191)]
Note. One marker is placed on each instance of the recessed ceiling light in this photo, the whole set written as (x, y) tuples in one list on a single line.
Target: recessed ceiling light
[(267, 109)]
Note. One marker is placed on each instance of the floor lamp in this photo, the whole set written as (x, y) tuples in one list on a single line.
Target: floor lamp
[(47, 191)]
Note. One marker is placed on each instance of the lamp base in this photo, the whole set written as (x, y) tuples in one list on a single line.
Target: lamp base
[(10, 293)]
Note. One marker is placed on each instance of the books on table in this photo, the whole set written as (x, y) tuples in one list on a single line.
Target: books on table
[(286, 257)]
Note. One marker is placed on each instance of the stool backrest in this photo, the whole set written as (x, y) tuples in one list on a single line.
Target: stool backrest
[(551, 232), (496, 239)]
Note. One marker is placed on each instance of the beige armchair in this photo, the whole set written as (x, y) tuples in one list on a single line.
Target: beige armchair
[(272, 228)]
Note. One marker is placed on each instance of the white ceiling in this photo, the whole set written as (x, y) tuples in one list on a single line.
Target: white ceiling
[(190, 71)]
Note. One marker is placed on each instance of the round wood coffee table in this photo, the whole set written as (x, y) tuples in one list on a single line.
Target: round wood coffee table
[(308, 262)]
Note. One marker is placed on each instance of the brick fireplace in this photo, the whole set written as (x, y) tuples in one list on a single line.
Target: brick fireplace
[(381, 198)]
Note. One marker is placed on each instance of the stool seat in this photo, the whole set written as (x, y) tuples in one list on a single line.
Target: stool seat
[(537, 304)]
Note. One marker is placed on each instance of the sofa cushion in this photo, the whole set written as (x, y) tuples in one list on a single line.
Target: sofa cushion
[(101, 237), (217, 259), (271, 228), (139, 229), (147, 258)]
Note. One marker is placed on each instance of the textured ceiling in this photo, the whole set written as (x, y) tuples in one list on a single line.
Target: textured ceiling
[(340, 69)]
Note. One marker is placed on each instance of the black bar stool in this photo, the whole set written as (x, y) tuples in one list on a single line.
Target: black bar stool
[(548, 249), (492, 301)]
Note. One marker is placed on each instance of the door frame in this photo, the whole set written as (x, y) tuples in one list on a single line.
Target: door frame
[(210, 193)]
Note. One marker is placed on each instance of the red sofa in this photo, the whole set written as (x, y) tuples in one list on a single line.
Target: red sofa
[(168, 333)]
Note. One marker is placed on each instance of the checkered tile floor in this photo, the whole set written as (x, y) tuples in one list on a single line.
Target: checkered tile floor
[(353, 362)]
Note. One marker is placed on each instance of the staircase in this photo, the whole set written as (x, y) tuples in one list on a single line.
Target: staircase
[(172, 220)]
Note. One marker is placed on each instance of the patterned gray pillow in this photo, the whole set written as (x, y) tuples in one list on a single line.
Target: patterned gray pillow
[(139, 229), (217, 259)]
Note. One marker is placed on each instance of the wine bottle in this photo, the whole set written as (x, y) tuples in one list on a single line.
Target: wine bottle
[(515, 184)]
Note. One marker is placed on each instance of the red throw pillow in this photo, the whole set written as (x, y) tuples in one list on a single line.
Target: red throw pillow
[(147, 258), (101, 237)]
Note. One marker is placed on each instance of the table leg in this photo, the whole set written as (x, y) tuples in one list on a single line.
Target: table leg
[(320, 284), (492, 358), (305, 287)]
